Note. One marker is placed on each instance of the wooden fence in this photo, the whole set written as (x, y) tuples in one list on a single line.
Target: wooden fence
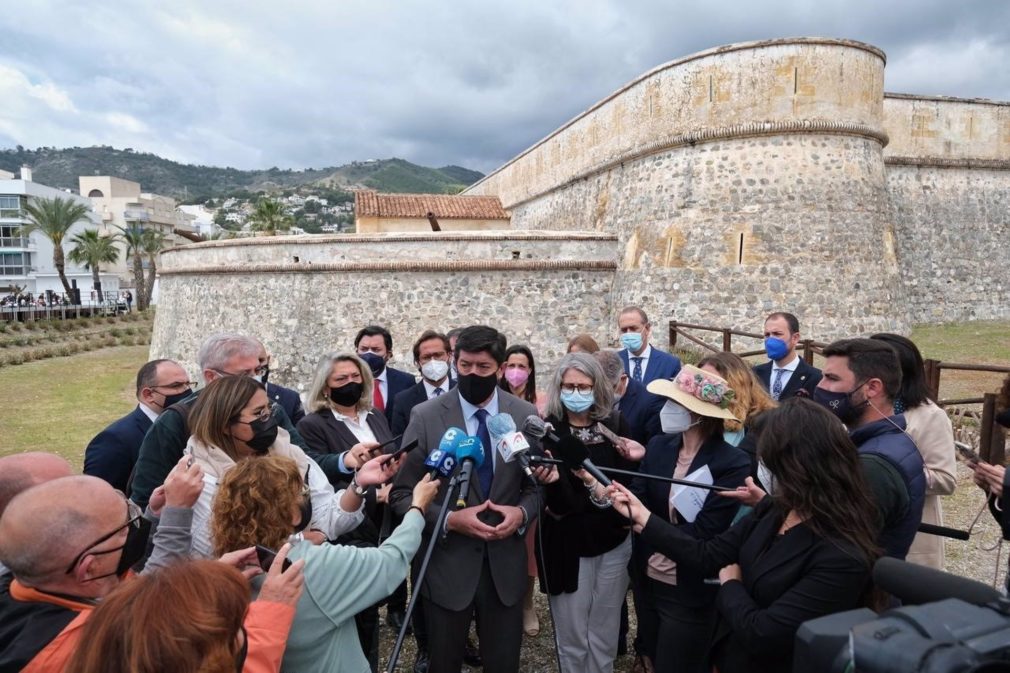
[(992, 438)]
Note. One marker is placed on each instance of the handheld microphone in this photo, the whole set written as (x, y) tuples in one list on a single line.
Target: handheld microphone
[(470, 454), (576, 456), (537, 428), (440, 463), (509, 443), (915, 585)]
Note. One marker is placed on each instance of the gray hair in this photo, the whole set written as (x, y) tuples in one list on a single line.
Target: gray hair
[(612, 365), (603, 392), (318, 396), (219, 348)]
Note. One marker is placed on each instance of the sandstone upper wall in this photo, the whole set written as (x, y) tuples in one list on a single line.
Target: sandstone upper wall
[(946, 131), (759, 88)]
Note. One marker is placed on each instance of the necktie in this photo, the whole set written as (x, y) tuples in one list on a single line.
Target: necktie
[(637, 372), (438, 391), (777, 386), (485, 473), (377, 401)]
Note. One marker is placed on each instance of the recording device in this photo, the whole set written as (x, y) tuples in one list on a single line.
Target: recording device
[(388, 442), (949, 624), (406, 448), (440, 463), (509, 442), (537, 461), (576, 456), (265, 556), (967, 453), (470, 454), (537, 428)]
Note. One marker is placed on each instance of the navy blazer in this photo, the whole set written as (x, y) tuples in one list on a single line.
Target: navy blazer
[(729, 466), (396, 382), (289, 400), (640, 410), (806, 377), (661, 365), (113, 452), (405, 401)]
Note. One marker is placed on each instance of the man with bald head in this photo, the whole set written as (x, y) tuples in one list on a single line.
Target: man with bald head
[(112, 454), (23, 470)]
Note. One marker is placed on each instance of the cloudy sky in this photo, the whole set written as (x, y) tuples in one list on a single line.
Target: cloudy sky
[(312, 83)]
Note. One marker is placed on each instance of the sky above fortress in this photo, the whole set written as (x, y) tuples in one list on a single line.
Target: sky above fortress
[(313, 83)]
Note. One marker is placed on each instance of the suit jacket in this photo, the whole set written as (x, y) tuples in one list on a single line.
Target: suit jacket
[(396, 382), (405, 402), (806, 377), (787, 580), (640, 410), (729, 466), (289, 399), (661, 365), (113, 452), (458, 561)]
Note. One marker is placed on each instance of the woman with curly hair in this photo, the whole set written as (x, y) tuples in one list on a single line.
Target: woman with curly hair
[(186, 617), (259, 502), (750, 398)]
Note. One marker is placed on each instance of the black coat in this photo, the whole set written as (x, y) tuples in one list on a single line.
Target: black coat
[(806, 377), (396, 382), (787, 580), (405, 402), (113, 452)]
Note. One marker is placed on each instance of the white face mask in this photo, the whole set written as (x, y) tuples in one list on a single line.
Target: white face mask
[(766, 477), (674, 418), (435, 370)]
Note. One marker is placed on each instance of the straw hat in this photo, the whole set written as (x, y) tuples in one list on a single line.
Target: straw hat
[(704, 393)]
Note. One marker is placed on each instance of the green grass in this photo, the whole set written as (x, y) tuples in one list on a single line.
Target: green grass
[(59, 404), (987, 342)]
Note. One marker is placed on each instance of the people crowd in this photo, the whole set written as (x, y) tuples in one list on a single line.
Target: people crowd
[(236, 525)]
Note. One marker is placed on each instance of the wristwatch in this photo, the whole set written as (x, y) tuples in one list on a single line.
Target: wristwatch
[(358, 490)]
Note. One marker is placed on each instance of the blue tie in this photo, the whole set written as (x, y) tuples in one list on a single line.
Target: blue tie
[(637, 372), (777, 386), (485, 473)]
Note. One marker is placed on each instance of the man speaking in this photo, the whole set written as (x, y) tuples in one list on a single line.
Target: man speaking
[(479, 564)]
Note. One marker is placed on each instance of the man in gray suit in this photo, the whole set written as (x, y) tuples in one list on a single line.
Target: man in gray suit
[(479, 563)]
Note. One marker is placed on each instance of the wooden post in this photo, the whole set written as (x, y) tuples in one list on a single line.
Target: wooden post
[(932, 368), (673, 334), (808, 351), (727, 340)]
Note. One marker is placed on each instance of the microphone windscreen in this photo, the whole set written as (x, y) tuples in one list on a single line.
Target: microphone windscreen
[(501, 425), (472, 448), (571, 450), (914, 584), (451, 439), (535, 427)]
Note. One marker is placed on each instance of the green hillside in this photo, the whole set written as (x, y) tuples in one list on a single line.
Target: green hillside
[(61, 167)]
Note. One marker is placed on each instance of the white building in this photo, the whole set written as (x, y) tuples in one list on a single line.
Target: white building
[(202, 220), (26, 263)]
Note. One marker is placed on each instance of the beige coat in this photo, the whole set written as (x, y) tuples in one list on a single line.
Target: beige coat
[(931, 430)]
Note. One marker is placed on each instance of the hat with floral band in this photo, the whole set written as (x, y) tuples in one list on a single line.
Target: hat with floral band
[(704, 393)]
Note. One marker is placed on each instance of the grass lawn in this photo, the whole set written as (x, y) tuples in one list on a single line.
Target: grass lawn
[(964, 343), (59, 404)]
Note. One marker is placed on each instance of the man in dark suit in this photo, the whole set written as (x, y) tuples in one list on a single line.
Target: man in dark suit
[(374, 345), (785, 373), (642, 361), (480, 561), (639, 408), (113, 452), (288, 399), (431, 355)]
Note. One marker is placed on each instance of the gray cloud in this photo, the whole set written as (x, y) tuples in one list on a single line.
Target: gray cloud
[(316, 83)]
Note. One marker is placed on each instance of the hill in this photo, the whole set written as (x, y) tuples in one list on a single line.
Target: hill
[(61, 167)]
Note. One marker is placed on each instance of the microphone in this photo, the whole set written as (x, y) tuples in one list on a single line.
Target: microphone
[(509, 443), (575, 455), (916, 585), (470, 454), (537, 428), (440, 463)]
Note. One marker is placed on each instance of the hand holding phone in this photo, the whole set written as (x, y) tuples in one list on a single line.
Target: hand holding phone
[(967, 453), (265, 556)]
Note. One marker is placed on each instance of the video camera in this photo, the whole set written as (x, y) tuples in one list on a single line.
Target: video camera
[(947, 624)]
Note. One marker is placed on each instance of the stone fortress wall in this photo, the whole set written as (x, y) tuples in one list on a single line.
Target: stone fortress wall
[(772, 175)]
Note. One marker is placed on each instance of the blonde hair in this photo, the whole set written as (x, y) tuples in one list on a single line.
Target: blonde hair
[(751, 398), (318, 396), (254, 504), (216, 409)]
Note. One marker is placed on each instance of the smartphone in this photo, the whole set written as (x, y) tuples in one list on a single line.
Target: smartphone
[(967, 453), (609, 434), (266, 557), (388, 442), (406, 448)]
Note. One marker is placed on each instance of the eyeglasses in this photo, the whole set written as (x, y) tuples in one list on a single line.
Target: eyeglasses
[(572, 389), (261, 416), (134, 515), (178, 385), (258, 371)]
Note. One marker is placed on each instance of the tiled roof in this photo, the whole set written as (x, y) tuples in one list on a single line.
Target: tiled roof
[(368, 203)]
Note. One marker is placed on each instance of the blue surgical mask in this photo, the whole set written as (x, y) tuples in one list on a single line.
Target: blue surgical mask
[(632, 341), (577, 402), (776, 348)]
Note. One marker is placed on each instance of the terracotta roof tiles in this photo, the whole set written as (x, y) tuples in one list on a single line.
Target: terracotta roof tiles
[(369, 203)]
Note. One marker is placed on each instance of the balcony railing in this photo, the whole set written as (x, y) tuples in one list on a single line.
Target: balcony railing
[(15, 242), (136, 215)]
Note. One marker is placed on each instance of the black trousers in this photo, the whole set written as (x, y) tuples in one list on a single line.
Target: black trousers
[(499, 630), (683, 632)]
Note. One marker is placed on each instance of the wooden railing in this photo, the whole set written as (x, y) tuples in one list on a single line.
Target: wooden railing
[(992, 440)]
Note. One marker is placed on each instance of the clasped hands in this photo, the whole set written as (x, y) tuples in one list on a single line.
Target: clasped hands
[(466, 522)]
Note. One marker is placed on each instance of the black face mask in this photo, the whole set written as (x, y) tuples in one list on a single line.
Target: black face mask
[(264, 434), (347, 395), (375, 362), (176, 398), (306, 514), (133, 550), (475, 389), (266, 374), (840, 404)]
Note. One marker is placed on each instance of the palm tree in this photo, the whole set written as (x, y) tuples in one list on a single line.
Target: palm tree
[(92, 250), (152, 243), (270, 217), (133, 236), (53, 218)]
